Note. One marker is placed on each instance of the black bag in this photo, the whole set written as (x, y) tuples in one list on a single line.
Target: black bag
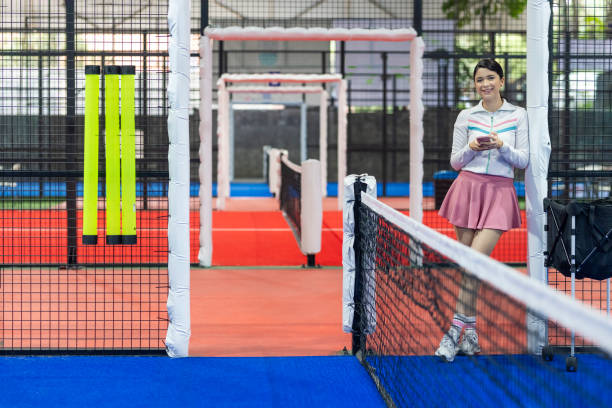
[(593, 237)]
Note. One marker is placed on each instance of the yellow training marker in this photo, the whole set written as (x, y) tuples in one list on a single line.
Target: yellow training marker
[(90, 173), (128, 156), (113, 176)]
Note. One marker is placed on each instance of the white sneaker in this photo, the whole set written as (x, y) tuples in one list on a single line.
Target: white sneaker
[(469, 343), (448, 349)]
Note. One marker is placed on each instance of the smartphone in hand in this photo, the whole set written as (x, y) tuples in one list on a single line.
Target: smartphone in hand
[(484, 139)]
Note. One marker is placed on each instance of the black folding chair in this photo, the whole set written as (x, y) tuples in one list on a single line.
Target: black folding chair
[(579, 245)]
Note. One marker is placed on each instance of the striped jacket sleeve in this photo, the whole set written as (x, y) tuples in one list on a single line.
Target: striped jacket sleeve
[(518, 155), (461, 153)]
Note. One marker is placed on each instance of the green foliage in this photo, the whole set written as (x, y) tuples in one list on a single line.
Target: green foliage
[(594, 27), (464, 11)]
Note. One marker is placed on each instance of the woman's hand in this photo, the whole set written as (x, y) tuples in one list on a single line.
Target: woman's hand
[(496, 141), (482, 143), (491, 141)]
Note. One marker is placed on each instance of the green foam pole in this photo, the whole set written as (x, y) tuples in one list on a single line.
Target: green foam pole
[(113, 175), (90, 173), (128, 156)]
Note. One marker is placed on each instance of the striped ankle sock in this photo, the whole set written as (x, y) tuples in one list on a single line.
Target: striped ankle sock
[(470, 323), (457, 326)]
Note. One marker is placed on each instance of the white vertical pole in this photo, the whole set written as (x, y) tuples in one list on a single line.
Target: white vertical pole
[(231, 144), (323, 141), (179, 326), (538, 17), (417, 108), (303, 133), (342, 126), (223, 183), (205, 152)]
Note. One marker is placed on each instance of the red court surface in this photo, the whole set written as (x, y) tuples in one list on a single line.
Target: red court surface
[(266, 312), (254, 301), (253, 232), (264, 238), (249, 232), (86, 308)]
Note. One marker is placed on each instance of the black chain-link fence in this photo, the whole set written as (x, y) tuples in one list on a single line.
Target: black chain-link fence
[(580, 123)]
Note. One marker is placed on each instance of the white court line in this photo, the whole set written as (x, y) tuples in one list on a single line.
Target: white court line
[(164, 229), (218, 229)]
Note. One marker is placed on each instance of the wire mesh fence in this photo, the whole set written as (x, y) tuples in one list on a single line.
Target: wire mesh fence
[(580, 122), (326, 14), (46, 46), (57, 293)]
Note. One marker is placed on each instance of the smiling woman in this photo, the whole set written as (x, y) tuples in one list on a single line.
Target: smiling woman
[(489, 141)]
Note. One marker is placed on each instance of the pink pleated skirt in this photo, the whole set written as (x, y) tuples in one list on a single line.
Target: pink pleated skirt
[(480, 201)]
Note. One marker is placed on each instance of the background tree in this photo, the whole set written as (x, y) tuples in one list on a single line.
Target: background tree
[(486, 14), (464, 11)]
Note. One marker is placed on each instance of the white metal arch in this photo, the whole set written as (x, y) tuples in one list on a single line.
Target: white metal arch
[(322, 118), (305, 34), (223, 125)]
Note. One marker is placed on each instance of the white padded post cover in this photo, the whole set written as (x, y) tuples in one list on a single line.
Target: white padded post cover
[(538, 17), (274, 169), (348, 253), (312, 207), (417, 108), (205, 152), (179, 325)]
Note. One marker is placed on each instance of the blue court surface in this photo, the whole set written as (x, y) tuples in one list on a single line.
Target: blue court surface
[(496, 381), (75, 381), (334, 381)]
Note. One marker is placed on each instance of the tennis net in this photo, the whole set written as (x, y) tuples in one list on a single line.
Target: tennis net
[(402, 296), (301, 203), (291, 195)]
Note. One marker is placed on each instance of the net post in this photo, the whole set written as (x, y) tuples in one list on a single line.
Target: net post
[(573, 276), (311, 206), (311, 262), (358, 340)]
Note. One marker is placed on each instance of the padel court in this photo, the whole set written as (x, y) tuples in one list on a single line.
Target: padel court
[(162, 244), (274, 338)]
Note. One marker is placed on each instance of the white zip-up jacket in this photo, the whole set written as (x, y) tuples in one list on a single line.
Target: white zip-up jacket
[(510, 123)]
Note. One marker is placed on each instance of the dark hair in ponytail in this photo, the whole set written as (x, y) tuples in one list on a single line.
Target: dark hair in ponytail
[(491, 65)]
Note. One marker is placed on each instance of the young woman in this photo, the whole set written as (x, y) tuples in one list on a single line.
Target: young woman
[(489, 141)]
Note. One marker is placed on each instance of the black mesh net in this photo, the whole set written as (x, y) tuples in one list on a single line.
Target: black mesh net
[(290, 197), (406, 295)]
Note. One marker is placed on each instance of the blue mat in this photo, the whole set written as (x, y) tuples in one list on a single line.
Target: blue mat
[(335, 381)]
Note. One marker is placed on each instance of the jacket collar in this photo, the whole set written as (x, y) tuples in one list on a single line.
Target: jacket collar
[(506, 106)]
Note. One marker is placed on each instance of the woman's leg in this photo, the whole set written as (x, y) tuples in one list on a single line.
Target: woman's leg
[(465, 235), (467, 298), (483, 241), (449, 346)]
